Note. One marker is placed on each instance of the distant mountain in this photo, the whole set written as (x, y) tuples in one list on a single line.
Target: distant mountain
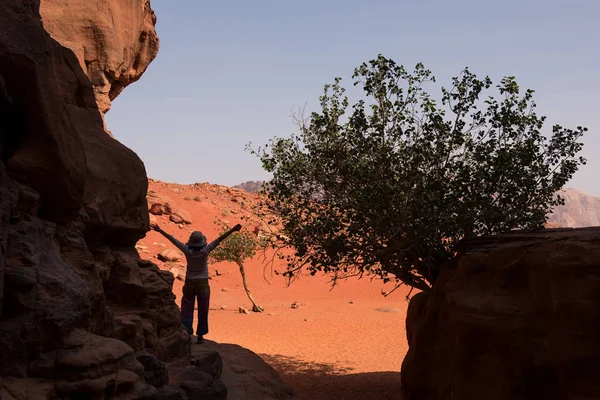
[(250, 186), (580, 210)]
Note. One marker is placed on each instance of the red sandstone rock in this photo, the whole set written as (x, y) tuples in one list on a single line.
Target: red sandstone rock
[(169, 255), (516, 317), (158, 204), (77, 301), (181, 216), (114, 41)]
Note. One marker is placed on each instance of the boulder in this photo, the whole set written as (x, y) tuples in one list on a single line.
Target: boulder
[(158, 204), (513, 317), (200, 385), (181, 216), (207, 360), (88, 364), (155, 371), (171, 392), (259, 228), (236, 192), (247, 375), (169, 255), (197, 384)]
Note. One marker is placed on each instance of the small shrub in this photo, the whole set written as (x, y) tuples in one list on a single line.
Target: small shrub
[(237, 248)]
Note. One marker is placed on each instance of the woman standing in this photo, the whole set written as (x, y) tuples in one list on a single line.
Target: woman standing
[(196, 286)]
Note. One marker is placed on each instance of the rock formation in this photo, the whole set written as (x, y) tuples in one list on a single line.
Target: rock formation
[(580, 210), (114, 41), (515, 317), (81, 315), (245, 374), (250, 186), (78, 305)]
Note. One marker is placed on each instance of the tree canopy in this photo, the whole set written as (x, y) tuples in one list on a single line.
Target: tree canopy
[(237, 248), (391, 183)]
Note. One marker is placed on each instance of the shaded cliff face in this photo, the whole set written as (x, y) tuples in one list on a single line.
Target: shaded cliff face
[(580, 210), (77, 303), (516, 317), (114, 40)]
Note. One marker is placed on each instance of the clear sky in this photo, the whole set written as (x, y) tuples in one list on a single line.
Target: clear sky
[(229, 72)]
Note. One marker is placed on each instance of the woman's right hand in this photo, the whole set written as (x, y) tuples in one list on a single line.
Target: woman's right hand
[(155, 227)]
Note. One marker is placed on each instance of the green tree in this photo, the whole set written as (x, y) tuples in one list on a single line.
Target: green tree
[(238, 247), (390, 184)]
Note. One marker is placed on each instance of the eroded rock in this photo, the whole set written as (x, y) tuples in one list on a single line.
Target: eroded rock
[(247, 375), (207, 360), (180, 216), (516, 317), (158, 204), (77, 301), (114, 41), (170, 255), (200, 385), (155, 371)]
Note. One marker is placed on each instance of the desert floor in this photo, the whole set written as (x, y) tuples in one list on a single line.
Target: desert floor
[(344, 343)]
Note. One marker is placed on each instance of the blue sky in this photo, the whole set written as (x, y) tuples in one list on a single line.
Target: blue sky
[(230, 72)]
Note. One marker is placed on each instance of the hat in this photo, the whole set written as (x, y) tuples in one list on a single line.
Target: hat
[(197, 239)]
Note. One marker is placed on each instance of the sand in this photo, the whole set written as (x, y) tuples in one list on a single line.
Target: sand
[(342, 343)]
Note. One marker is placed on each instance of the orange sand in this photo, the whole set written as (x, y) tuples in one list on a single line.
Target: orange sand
[(336, 345)]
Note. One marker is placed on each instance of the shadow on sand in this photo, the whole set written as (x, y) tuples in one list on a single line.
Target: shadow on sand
[(315, 381)]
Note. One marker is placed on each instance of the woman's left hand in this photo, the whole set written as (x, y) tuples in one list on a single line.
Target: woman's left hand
[(155, 227)]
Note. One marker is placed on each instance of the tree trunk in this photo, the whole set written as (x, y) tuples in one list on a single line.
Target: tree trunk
[(255, 307)]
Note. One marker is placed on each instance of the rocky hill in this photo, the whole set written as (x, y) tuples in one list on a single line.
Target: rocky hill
[(580, 210), (250, 186)]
